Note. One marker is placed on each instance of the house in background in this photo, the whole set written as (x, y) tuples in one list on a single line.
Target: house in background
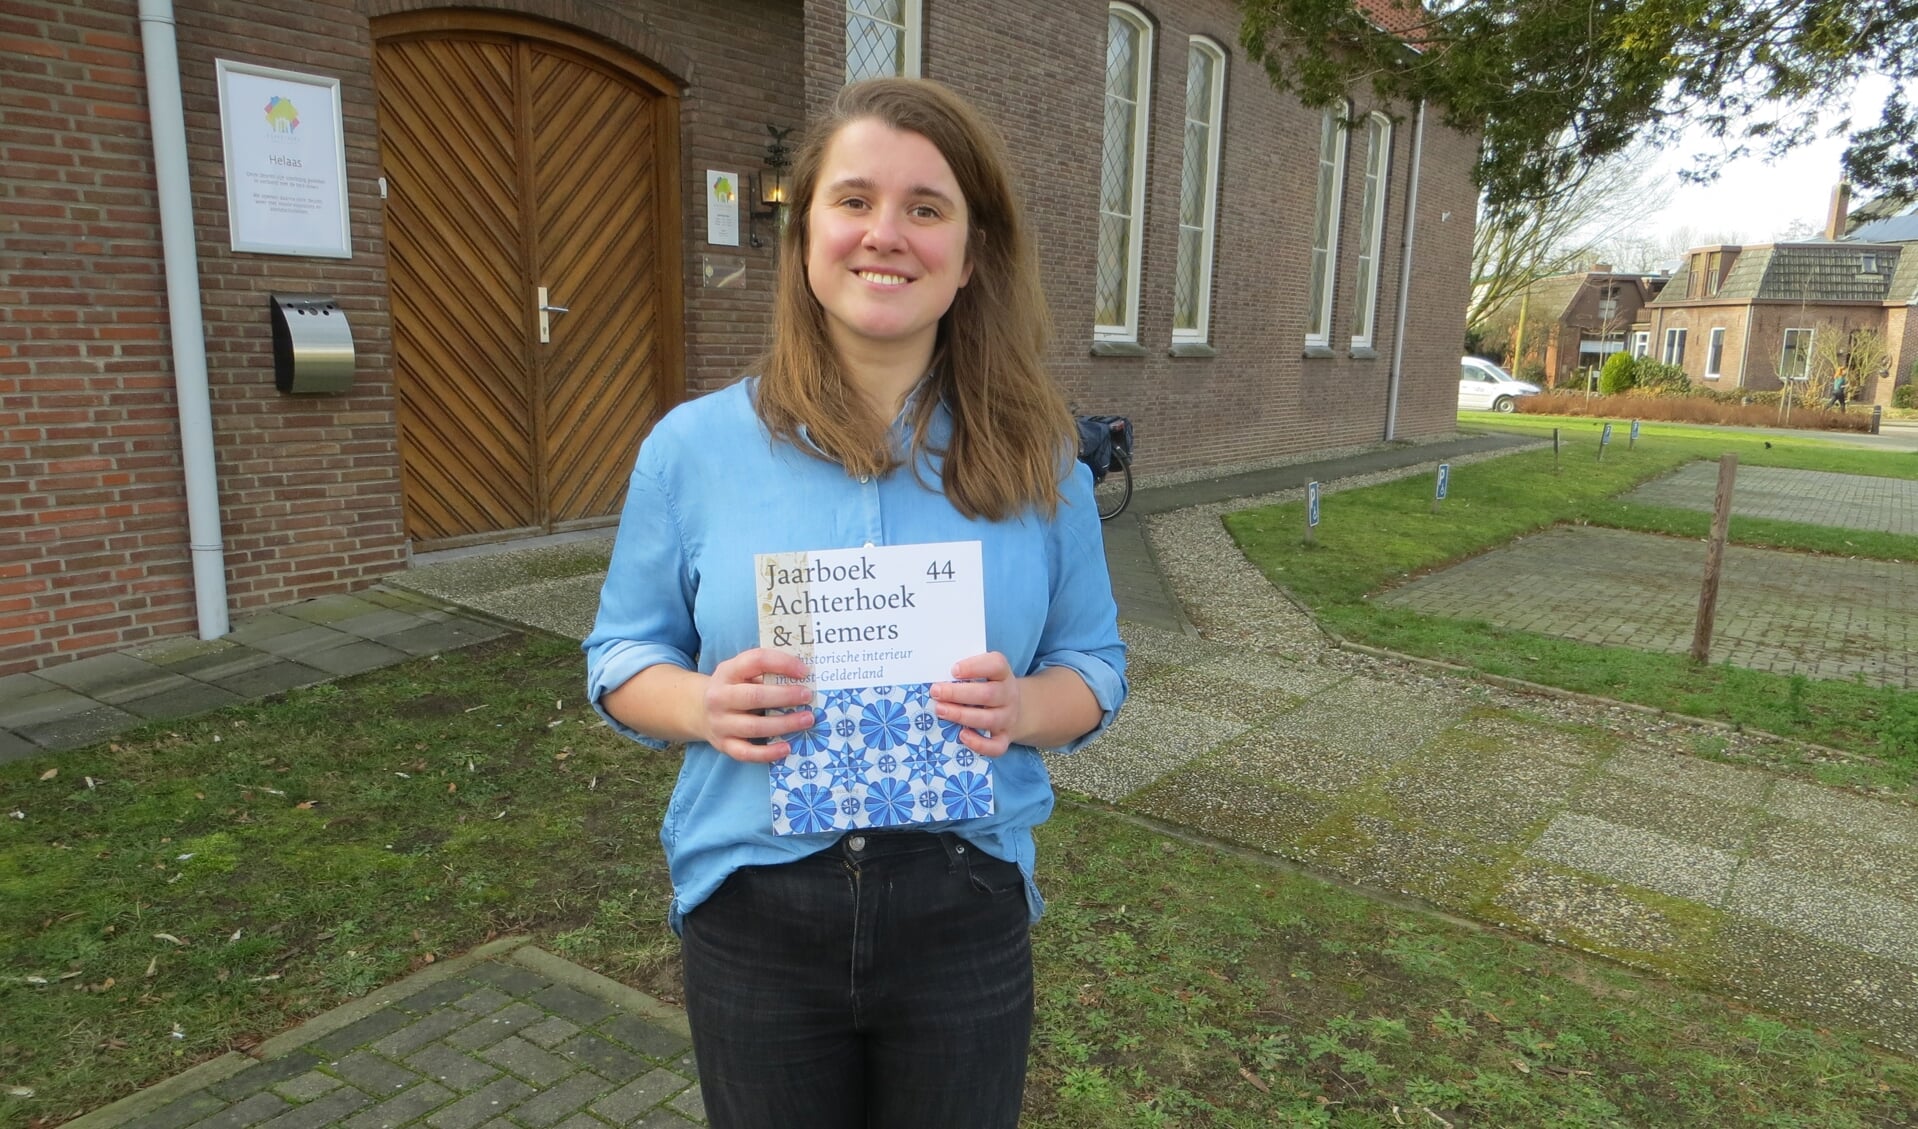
[(1888, 219), (546, 222), (1565, 324), (1756, 317)]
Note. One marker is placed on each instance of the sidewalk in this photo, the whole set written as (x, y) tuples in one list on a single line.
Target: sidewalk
[(1592, 825)]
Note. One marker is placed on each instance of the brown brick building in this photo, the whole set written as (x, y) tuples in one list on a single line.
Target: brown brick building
[(1755, 317), (1223, 267), (1571, 322)]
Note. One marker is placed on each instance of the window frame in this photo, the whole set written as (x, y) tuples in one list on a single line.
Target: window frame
[(912, 32), (1365, 280), (1785, 350), (1641, 343), (1674, 351), (1327, 208), (1127, 331), (1201, 331), (1715, 353)]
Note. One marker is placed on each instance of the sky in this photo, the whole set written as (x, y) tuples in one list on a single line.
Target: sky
[(1753, 201)]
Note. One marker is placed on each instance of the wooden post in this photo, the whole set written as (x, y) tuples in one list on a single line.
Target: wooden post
[(1714, 558)]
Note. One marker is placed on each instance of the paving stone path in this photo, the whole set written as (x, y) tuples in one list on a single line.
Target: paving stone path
[(506, 1037), (1787, 613), (1815, 497)]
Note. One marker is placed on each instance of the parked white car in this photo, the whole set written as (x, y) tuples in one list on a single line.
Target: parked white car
[(1483, 386)]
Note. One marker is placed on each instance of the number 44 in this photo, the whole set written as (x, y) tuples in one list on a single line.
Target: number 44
[(938, 572)]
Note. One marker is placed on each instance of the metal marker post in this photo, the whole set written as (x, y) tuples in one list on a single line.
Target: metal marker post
[(1444, 480), (1714, 559), (1632, 443), (1604, 441), (1555, 450), (1311, 511)]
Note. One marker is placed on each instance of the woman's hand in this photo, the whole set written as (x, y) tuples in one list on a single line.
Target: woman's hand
[(986, 704), (998, 710), (734, 698)]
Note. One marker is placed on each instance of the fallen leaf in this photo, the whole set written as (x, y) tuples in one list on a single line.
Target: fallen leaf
[(153, 966), (452, 787), (1520, 1066), (49, 774), (1257, 1082), (90, 783), (306, 805), (169, 937), (236, 936), (111, 1044), (20, 1091)]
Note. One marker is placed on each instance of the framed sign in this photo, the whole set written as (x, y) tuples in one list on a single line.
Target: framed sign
[(285, 161)]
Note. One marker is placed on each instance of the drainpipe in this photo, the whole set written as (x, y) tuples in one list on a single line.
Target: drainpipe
[(187, 329), (1405, 281)]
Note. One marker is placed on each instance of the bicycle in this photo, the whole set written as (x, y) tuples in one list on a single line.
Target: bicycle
[(1105, 445)]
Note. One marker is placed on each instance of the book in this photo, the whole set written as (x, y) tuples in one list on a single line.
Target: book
[(876, 626)]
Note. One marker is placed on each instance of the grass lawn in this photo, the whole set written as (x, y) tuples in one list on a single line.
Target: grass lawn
[(1385, 534), (203, 885)]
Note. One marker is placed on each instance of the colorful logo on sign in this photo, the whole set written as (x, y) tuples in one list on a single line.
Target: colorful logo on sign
[(281, 117)]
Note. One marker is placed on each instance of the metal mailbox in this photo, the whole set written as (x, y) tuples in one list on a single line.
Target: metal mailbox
[(312, 345)]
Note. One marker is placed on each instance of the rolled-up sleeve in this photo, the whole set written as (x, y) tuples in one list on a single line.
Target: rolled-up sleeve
[(646, 605), (1082, 630)]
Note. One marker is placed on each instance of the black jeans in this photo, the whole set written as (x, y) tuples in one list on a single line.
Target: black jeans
[(883, 983)]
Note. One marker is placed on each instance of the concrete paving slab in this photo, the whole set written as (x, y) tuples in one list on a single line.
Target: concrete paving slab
[(1169, 647), (432, 638), (1368, 717), (329, 610), (252, 630), (1745, 787), (1672, 812), (1216, 692), (1800, 902), (1182, 733), (275, 677), (31, 705), (1591, 913), (185, 700), (377, 622), (222, 662), (1424, 861), (1301, 678), (170, 651), (1461, 787), (1251, 810), (352, 656), (1288, 760), (1787, 972), (1885, 821), (1835, 856), (564, 606), (73, 730), (104, 675), (1111, 769), (1641, 858), (1539, 739), (298, 644)]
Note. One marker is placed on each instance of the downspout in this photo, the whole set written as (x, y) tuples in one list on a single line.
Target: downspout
[(1405, 281), (186, 326)]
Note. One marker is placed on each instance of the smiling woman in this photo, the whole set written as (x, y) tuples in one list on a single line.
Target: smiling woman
[(852, 868)]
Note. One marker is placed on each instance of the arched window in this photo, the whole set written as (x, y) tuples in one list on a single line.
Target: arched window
[(1378, 175), (1198, 191), (1325, 227), (1122, 175)]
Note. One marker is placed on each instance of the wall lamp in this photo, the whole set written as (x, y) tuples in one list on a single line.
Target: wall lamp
[(770, 187)]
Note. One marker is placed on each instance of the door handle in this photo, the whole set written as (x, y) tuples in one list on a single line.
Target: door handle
[(546, 312)]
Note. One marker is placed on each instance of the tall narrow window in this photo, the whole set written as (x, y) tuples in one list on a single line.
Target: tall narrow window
[(1365, 283), (882, 39), (1715, 354), (1641, 342), (1675, 346), (1198, 191), (1795, 362), (1325, 227), (1122, 178)]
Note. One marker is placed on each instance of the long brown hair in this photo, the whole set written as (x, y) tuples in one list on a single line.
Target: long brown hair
[(1011, 431)]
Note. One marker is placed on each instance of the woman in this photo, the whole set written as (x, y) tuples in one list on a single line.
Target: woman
[(878, 977)]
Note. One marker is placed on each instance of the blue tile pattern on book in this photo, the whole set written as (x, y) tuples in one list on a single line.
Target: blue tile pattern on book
[(876, 756)]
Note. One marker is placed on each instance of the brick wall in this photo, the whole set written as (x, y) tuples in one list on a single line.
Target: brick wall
[(93, 544), (93, 552)]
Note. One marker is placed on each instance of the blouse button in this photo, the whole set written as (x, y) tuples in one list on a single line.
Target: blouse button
[(862, 479)]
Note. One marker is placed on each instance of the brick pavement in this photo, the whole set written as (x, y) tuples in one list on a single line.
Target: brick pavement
[(506, 1037), (1787, 613), (1815, 497)]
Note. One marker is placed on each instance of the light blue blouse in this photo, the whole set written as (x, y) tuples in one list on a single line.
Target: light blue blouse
[(710, 490)]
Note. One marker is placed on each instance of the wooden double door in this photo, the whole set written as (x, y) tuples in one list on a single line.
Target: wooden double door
[(532, 234)]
